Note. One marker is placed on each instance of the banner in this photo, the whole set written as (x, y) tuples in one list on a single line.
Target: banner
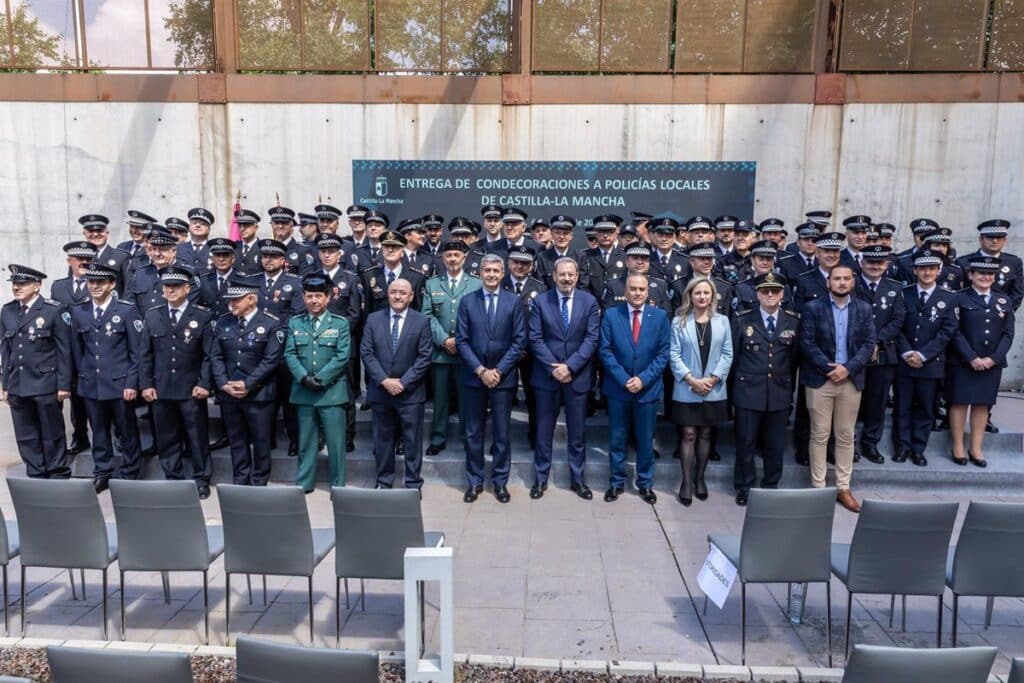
[(581, 189)]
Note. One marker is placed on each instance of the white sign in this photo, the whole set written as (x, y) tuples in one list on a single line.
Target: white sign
[(716, 576)]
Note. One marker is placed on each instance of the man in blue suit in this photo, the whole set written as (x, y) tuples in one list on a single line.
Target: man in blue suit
[(564, 328), (837, 340), (396, 349), (490, 336), (634, 351)]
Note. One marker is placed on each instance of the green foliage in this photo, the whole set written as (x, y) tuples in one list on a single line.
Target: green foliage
[(33, 45)]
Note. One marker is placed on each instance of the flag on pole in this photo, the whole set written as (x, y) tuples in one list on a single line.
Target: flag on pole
[(234, 233)]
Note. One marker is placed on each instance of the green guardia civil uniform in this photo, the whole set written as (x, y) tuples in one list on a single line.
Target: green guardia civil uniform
[(319, 348), (441, 305)]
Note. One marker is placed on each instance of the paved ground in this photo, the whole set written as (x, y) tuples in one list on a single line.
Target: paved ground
[(559, 577)]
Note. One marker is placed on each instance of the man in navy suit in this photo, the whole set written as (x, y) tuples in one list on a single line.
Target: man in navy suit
[(564, 328), (396, 350), (837, 340), (634, 352), (490, 336)]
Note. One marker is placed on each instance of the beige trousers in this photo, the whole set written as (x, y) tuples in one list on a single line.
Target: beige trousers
[(832, 407)]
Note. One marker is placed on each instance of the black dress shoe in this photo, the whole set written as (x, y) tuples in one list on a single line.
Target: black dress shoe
[(501, 494), (293, 450), (538, 489), (365, 406), (700, 489), (991, 428), (612, 494), (656, 452), (918, 459), (101, 484), (872, 454), (856, 456), (940, 425), (220, 443), (350, 446), (149, 452), (977, 462), (803, 458), (582, 490), (434, 450), (472, 493), (400, 449), (685, 501), (648, 495), (382, 487), (713, 455), (204, 491), (956, 460), (77, 445), (900, 456), (741, 497)]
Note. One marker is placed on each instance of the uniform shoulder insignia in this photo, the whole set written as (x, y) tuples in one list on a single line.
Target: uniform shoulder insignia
[(153, 308), (201, 307), (271, 316), (51, 302), (743, 312), (792, 314)]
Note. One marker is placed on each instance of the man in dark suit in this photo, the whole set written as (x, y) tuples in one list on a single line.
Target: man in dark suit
[(396, 351), (247, 259), (564, 329), (606, 260), (634, 350), (837, 340), (490, 336), (765, 353), (514, 226), (35, 348), (174, 376)]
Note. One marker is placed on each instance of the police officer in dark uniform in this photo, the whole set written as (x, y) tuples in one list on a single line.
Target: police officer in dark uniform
[(880, 234), (928, 327), (774, 230), (299, 259), (919, 227), (762, 262), (733, 265), (195, 252), (638, 262), (346, 300), (520, 281), (376, 279), (491, 229), (667, 262), (465, 231), (702, 262), (802, 255), (415, 238), (105, 349), (35, 351), (513, 221), (309, 230), (178, 229), (606, 261), (136, 222), (765, 350), (977, 356), (377, 223), (856, 228), (328, 217), (145, 289), (280, 295), (214, 283), (174, 375), (433, 225), (562, 227), (247, 251), (245, 355), (888, 311), (95, 228)]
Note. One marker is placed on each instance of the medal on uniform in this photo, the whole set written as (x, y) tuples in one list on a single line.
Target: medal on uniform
[(193, 324), (31, 333), (40, 322), (188, 335), (251, 339), (260, 329), (109, 330), (750, 330), (618, 264), (116, 319)]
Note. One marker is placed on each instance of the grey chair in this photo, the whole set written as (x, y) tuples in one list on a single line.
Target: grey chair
[(161, 528), (1016, 671), (373, 527), (875, 664), (82, 665), (786, 538), (267, 531), (899, 549), (60, 525), (988, 556), (260, 661), (9, 549)]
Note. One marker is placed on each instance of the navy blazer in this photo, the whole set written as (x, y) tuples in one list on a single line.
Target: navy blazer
[(622, 359), (408, 363), (576, 348), (888, 311), (479, 344), (251, 354), (927, 330), (106, 351), (818, 341), (35, 348), (176, 358)]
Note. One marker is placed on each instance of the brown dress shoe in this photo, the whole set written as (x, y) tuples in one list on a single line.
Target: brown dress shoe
[(846, 499)]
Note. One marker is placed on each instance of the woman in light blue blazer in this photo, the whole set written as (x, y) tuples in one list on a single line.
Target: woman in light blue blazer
[(700, 356)]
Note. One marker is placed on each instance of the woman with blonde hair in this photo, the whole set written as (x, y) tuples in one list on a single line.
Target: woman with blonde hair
[(700, 356)]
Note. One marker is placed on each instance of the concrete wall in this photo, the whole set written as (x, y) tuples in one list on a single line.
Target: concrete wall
[(958, 163)]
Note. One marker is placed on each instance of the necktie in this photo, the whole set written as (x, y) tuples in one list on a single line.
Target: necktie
[(810, 263), (221, 281), (565, 314), (99, 312), (636, 326), (858, 258), (316, 324), (490, 308), (174, 316), (872, 286), (374, 252), (924, 298), (519, 288), (241, 324), (451, 285), (391, 277), (394, 331), (606, 257), (79, 286), (270, 284), (770, 325), (245, 251), (664, 262), (985, 297), (24, 310)]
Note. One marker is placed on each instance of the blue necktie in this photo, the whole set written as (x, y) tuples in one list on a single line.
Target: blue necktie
[(565, 314), (771, 325), (391, 277), (394, 332), (490, 308)]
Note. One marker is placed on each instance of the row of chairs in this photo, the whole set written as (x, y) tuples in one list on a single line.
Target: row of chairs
[(159, 527), (897, 549), (874, 663)]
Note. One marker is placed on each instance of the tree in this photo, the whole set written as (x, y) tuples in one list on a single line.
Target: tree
[(190, 26), (33, 45)]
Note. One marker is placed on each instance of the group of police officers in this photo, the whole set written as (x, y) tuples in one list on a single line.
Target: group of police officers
[(173, 317)]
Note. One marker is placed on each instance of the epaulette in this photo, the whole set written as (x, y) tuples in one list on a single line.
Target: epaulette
[(744, 312), (200, 307), (788, 312), (153, 308), (271, 316), (52, 302)]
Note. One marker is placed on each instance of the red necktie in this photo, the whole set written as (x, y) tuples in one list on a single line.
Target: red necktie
[(636, 326)]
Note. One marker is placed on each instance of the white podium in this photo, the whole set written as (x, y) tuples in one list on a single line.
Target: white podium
[(421, 565)]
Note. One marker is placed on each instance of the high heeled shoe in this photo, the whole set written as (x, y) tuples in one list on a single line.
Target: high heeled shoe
[(683, 499), (958, 461), (977, 462), (700, 489)]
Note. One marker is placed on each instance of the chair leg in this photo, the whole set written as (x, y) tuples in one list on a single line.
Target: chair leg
[(990, 603), (956, 615), (347, 606), (310, 609), (7, 623), (206, 607), (248, 585), (892, 609), (165, 577), (337, 611), (264, 590), (423, 617), (849, 612), (120, 574), (81, 574), (71, 578), (227, 608), (362, 593), (743, 623), (828, 619), (903, 613), (23, 610), (705, 604), (104, 586), (938, 631)]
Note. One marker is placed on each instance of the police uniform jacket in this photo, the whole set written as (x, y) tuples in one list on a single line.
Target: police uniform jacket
[(146, 290), (746, 296), (984, 331), (726, 295), (299, 258), (251, 353), (544, 265), (251, 263), (1009, 279), (36, 348), (322, 353), (441, 306), (353, 258), (927, 330), (678, 266), (347, 299), (794, 266), (195, 257), (106, 351), (420, 262), (599, 272), (283, 299), (375, 287), (132, 248), (210, 291), (501, 247), (370, 255), (176, 358), (888, 311), (809, 286), (730, 265), (63, 291), (113, 257), (658, 294), (531, 288), (764, 365)]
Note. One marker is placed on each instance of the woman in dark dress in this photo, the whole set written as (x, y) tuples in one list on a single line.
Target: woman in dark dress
[(977, 356)]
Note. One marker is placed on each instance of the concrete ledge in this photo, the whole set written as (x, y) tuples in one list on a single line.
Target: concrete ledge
[(537, 664), (214, 651), (132, 646), (172, 647), (774, 673), (594, 666), (676, 670), (86, 644), (624, 667), (493, 661), (820, 675), (459, 657), (725, 672), (37, 643)]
